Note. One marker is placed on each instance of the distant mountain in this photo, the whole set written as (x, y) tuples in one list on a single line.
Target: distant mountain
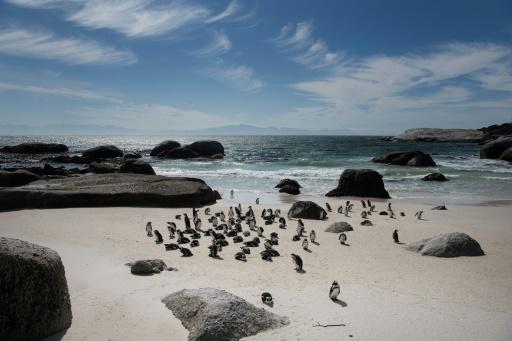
[(64, 129), (245, 129)]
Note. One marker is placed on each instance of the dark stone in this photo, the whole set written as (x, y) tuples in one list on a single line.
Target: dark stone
[(147, 267), (137, 167), (217, 315), (102, 167), (207, 148), (17, 178), (288, 182), (447, 245), (34, 297), (131, 155), (35, 148), (494, 149), (435, 177), (179, 153), (106, 190), (102, 152), (440, 208), (366, 222), (414, 159), (307, 210), (506, 155), (339, 227), (290, 189), (67, 159), (163, 146), (360, 183)]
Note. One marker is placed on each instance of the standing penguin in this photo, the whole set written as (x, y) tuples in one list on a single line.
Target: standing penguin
[(300, 227), (395, 236), (342, 238), (363, 203), (312, 236), (187, 221), (334, 291), (328, 207), (149, 229), (257, 201), (158, 237), (305, 244), (298, 262)]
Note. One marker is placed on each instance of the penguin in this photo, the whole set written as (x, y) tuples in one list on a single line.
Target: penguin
[(194, 213), (215, 221), (363, 203), (305, 244), (402, 214), (240, 256), (213, 250), (282, 222), (187, 221), (363, 214), (158, 237), (340, 209), (149, 229), (245, 250), (231, 214), (266, 256), (389, 207), (185, 252), (369, 203), (171, 228), (277, 213), (312, 236), (328, 207), (246, 233), (237, 239), (194, 243), (300, 227), (198, 224), (395, 236), (419, 214), (298, 262), (257, 201), (267, 245), (178, 217), (232, 193), (266, 298), (260, 231), (274, 238), (207, 211), (342, 238), (334, 291), (171, 247), (222, 216)]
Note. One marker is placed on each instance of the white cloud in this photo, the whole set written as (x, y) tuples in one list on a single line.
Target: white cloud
[(220, 44), (298, 40), (240, 77), (232, 8), (44, 45)]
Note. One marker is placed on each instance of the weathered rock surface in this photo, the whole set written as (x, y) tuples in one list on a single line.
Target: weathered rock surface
[(494, 149), (339, 227), (163, 146), (34, 297), (147, 266), (507, 155), (217, 315), (35, 148), (447, 245), (307, 210), (17, 178), (105, 190), (102, 167), (435, 177), (289, 189), (207, 148), (137, 167), (413, 159), (179, 153), (288, 182), (441, 135), (102, 152), (360, 183)]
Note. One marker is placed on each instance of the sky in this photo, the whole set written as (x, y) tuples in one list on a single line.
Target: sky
[(367, 67)]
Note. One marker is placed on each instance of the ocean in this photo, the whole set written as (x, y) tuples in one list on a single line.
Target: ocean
[(254, 165)]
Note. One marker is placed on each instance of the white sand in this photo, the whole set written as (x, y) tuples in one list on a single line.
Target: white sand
[(389, 293)]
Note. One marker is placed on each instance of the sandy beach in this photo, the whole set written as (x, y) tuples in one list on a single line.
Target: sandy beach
[(387, 293)]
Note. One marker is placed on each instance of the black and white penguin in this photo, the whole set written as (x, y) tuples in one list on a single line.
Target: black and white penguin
[(340, 209), (158, 237), (389, 207), (369, 203), (149, 229), (240, 256), (260, 231), (298, 262), (363, 203), (300, 227), (185, 252), (171, 247), (194, 243), (312, 236), (257, 201), (328, 207), (207, 211), (342, 238), (178, 217), (334, 291), (266, 298), (267, 245), (187, 221), (395, 236), (282, 223), (305, 244), (364, 214)]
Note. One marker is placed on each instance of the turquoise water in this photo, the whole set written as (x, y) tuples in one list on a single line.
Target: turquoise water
[(255, 164)]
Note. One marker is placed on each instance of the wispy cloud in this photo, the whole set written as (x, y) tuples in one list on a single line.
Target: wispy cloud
[(37, 44), (220, 44), (298, 41), (232, 9), (240, 77)]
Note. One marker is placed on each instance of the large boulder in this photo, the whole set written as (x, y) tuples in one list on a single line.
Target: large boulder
[(506, 155), (137, 167), (102, 167), (106, 190), (207, 148), (494, 149), (35, 148), (413, 159), (360, 183), (307, 210), (147, 266), (102, 152), (17, 178), (179, 153), (34, 297), (435, 177), (441, 135), (163, 146), (288, 182), (289, 189), (339, 227), (217, 315), (447, 245)]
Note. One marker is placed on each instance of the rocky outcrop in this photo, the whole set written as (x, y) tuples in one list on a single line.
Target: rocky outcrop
[(131, 155), (17, 178), (104, 190), (441, 135), (147, 266), (217, 315), (35, 148), (360, 183), (102, 167), (339, 227), (413, 159), (454, 244), (34, 297), (179, 153), (137, 167), (307, 210), (494, 149), (164, 146), (506, 155), (102, 152), (435, 177), (289, 189), (288, 182), (207, 148)]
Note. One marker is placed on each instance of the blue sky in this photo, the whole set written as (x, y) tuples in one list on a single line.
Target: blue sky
[(374, 67)]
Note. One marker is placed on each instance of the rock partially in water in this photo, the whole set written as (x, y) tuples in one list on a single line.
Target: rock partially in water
[(454, 244), (494, 149), (506, 155), (164, 146), (360, 183), (288, 182), (294, 190), (435, 177), (413, 159), (441, 135), (207, 148), (179, 153), (137, 167), (35, 148), (217, 315), (102, 152)]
